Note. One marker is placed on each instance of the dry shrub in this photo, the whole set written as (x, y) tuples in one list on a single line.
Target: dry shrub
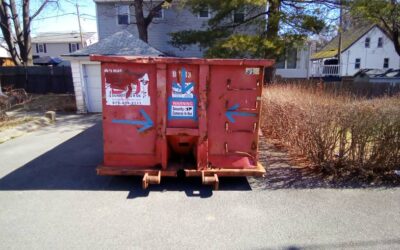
[(335, 132)]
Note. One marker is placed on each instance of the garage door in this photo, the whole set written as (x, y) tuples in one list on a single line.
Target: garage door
[(93, 87)]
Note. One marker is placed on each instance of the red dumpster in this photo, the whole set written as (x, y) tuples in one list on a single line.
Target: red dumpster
[(181, 116)]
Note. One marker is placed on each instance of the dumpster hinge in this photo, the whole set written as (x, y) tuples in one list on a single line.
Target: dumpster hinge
[(210, 180), (151, 179)]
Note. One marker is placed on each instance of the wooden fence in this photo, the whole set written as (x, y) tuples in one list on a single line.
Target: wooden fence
[(365, 89), (37, 79)]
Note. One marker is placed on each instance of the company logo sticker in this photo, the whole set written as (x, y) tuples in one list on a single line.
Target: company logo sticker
[(127, 89)]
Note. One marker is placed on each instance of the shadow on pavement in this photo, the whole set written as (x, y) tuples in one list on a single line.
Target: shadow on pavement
[(72, 166)]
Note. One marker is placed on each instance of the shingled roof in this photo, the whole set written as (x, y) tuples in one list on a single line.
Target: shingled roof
[(61, 37), (122, 43), (349, 37)]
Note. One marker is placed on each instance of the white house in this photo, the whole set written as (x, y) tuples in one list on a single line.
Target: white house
[(55, 44), (5, 58), (363, 47)]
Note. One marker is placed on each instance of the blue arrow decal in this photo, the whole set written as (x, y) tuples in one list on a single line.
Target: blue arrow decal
[(146, 124), (184, 88), (232, 111)]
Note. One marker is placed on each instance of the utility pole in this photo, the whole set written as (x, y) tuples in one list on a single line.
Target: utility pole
[(79, 23), (340, 37)]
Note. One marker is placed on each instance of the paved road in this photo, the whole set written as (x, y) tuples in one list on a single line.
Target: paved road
[(50, 198)]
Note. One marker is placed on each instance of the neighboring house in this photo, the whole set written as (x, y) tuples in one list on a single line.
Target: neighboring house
[(86, 74), (363, 47), (295, 64), (118, 35), (113, 16), (54, 44), (5, 58)]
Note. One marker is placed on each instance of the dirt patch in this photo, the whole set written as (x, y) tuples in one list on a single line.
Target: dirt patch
[(54, 102), (27, 116)]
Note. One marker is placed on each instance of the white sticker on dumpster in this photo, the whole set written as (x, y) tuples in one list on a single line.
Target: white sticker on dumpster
[(252, 71), (182, 108), (134, 92)]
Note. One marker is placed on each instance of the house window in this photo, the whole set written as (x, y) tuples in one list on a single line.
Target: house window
[(204, 12), (367, 42), (380, 42), (357, 65), (123, 14), (73, 47), (291, 58), (238, 15), (280, 62), (386, 63), (159, 14), (41, 48), (287, 60)]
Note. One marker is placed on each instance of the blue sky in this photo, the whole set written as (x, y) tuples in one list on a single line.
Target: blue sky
[(63, 17)]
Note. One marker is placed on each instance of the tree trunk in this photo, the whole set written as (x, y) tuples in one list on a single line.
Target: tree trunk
[(27, 34), (395, 39), (20, 36), (141, 21), (274, 17), (18, 31), (5, 26)]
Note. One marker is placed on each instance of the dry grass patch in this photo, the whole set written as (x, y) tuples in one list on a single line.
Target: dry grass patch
[(342, 135), (13, 122)]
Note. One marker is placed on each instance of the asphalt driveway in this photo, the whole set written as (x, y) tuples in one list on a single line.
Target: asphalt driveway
[(51, 198)]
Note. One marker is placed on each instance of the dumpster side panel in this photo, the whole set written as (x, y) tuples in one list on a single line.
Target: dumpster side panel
[(130, 114), (233, 115)]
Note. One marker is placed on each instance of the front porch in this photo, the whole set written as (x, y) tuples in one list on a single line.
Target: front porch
[(325, 69)]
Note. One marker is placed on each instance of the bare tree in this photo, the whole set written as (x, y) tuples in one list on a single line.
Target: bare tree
[(142, 21), (17, 36)]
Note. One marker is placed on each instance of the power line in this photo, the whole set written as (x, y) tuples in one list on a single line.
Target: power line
[(48, 17), (88, 15)]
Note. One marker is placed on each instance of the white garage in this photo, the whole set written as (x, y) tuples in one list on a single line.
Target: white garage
[(86, 74), (92, 78)]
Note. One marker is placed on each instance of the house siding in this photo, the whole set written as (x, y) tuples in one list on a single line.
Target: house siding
[(57, 49), (52, 49), (78, 86), (302, 65), (175, 19), (372, 57)]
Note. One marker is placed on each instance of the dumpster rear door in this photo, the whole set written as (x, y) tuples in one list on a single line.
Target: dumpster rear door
[(233, 115), (129, 113)]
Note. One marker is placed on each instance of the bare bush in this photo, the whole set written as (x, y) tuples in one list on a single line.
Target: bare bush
[(335, 132)]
